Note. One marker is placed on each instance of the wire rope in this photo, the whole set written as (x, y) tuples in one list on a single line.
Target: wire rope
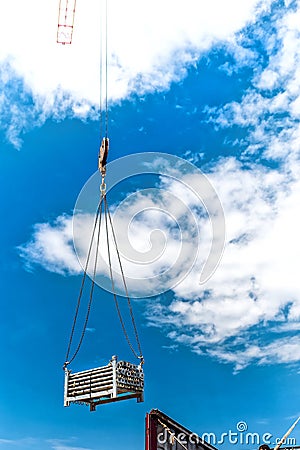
[(67, 360), (138, 356), (106, 69), (103, 205)]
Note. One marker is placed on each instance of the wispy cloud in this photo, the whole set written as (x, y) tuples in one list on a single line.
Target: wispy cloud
[(38, 443), (6, 441), (57, 444), (67, 447), (281, 351), (270, 108)]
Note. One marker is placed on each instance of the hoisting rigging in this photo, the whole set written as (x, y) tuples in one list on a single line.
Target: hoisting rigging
[(117, 380)]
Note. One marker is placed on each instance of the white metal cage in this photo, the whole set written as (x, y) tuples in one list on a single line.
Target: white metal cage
[(114, 382)]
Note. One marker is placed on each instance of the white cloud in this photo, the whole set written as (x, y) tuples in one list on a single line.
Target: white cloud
[(7, 441), (32, 442), (52, 246), (270, 107), (21, 109), (282, 351), (65, 444), (154, 232), (157, 30), (268, 79), (60, 446), (149, 47)]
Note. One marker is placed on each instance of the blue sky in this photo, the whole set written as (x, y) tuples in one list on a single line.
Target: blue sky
[(217, 85)]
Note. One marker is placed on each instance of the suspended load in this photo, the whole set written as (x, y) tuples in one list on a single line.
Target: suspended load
[(66, 15), (116, 381)]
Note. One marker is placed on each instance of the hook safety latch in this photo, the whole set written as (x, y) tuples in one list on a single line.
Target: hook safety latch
[(103, 153)]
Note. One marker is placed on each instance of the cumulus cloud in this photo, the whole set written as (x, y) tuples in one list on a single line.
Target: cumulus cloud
[(149, 47), (21, 109), (52, 246), (157, 235)]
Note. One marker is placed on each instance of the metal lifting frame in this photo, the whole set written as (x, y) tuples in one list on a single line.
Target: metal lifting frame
[(114, 382)]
